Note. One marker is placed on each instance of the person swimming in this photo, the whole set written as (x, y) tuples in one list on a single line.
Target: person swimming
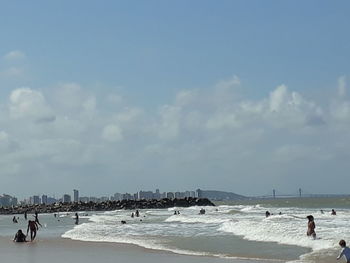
[(267, 214), (311, 227), (14, 220), (333, 213)]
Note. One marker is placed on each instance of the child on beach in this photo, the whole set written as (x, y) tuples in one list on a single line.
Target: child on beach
[(345, 251)]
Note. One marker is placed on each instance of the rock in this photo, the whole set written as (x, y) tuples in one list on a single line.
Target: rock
[(108, 205)]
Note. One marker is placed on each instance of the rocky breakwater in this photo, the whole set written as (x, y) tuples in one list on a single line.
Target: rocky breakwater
[(107, 206)]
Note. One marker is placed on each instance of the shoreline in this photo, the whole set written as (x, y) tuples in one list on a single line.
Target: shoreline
[(59, 249)]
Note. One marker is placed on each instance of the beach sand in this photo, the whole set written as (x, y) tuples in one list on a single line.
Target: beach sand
[(58, 250)]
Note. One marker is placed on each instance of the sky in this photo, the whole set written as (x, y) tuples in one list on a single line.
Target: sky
[(122, 96)]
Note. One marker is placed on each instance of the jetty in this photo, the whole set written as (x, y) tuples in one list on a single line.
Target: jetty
[(107, 205)]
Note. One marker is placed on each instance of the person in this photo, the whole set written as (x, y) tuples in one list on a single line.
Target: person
[(137, 213), (345, 251), (311, 227), (20, 237), (37, 219), (267, 214), (132, 215), (333, 213), (178, 212), (175, 213), (33, 227), (25, 215), (202, 211), (76, 218), (321, 211), (14, 220)]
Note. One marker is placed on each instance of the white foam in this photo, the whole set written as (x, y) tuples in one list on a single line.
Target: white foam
[(247, 221)]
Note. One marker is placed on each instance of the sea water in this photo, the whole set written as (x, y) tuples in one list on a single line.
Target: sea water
[(236, 229)]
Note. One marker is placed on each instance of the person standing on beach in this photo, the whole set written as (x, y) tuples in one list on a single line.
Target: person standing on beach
[(33, 227), (25, 215), (311, 227)]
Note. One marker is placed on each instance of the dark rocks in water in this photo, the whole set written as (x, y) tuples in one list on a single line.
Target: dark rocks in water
[(107, 205)]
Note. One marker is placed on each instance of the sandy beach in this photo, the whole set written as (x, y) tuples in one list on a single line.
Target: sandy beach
[(57, 250)]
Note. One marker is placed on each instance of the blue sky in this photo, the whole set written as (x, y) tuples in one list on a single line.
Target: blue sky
[(148, 56)]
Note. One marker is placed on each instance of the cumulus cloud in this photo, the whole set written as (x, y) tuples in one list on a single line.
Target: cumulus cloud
[(28, 103), (15, 55), (73, 131)]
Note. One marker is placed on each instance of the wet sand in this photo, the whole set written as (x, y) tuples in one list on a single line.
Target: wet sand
[(58, 250)]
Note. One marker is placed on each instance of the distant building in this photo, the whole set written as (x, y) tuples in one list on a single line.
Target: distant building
[(190, 194), (179, 195), (84, 199), (76, 195), (66, 198), (104, 198), (156, 195), (44, 199), (35, 200), (199, 193), (170, 195), (127, 196), (93, 199), (7, 200), (51, 200), (118, 196), (145, 195)]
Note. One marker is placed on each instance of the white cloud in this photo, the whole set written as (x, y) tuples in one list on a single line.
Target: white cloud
[(73, 131), (112, 133), (15, 55), (168, 126), (28, 103), (228, 84)]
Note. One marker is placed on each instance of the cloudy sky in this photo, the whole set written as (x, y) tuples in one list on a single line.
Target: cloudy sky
[(118, 96)]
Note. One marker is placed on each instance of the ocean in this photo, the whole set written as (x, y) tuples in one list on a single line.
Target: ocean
[(229, 230)]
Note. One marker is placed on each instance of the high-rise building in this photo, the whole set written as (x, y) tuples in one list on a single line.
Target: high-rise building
[(44, 199), (36, 200), (76, 195), (66, 198), (7, 200)]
